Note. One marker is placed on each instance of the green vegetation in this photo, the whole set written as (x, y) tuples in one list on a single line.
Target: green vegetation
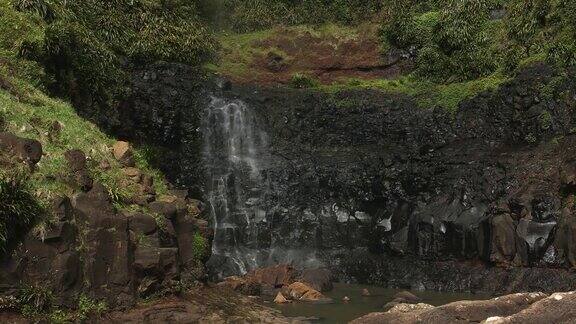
[(458, 40), (253, 15), (19, 210), (85, 46), (199, 246), (28, 30), (426, 93), (37, 303), (301, 81)]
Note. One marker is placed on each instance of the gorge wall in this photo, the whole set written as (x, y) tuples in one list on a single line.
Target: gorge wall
[(386, 192)]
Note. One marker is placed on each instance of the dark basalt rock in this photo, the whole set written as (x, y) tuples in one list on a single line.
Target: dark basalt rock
[(362, 169), (23, 149)]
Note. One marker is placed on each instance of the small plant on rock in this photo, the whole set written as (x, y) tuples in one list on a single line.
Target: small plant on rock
[(90, 307), (303, 81)]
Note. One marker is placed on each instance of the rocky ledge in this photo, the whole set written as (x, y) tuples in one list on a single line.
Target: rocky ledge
[(99, 244), (517, 308)]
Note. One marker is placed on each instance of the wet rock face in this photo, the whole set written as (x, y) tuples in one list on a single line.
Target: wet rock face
[(362, 169)]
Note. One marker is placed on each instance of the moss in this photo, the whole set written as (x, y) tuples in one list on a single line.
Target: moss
[(199, 246), (545, 120), (427, 94), (302, 81)]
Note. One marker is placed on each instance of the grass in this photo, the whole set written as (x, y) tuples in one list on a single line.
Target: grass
[(240, 50), (32, 114), (426, 93)]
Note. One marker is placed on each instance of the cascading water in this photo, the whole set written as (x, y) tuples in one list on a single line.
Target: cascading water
[(234, 155)]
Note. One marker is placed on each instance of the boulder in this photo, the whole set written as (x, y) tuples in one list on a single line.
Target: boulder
[(280, 299), (407, 298), (123, 153), (565, 238), (76, 160), (166, 209), (319, 279), (142, 224), (557, 308), (474, 311), (275, 276), (23, 149), (403, 297), (302, 292), (366, 293), (134, 174), (83, 180), (407, 308)]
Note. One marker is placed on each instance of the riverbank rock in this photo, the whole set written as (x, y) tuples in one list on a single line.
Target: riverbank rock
[(275, 276), (457, 312), (407, 308), (302, 292), (280, 299), (402, 298)]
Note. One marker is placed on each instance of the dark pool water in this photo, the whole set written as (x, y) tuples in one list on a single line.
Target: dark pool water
[(340, 312)]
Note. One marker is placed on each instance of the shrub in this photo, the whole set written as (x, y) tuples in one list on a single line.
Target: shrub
[(454, 42), (88, 307), (199, 246), (19, 209), (301, 81), (35, 300), (253, 15)]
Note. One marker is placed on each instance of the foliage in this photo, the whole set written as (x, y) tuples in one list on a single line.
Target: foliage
[(85, 45), (301, 81), (253, 15), (19, 209), (455, 42), (35, 300), (427, 93), (199, 246), (88, 306), (458, 40)]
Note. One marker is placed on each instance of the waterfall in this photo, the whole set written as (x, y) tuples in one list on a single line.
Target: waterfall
[(234, 156)]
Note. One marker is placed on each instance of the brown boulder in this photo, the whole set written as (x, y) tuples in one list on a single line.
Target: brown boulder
[(407, 308), (76, 160), (302, 292), (123, 153), (558, 308), (280, 299), (458, 312), (407, 297), (275, 276), (133, 174), (23, 149)]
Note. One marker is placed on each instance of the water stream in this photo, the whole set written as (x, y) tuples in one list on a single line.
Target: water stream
[(234, 154)]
